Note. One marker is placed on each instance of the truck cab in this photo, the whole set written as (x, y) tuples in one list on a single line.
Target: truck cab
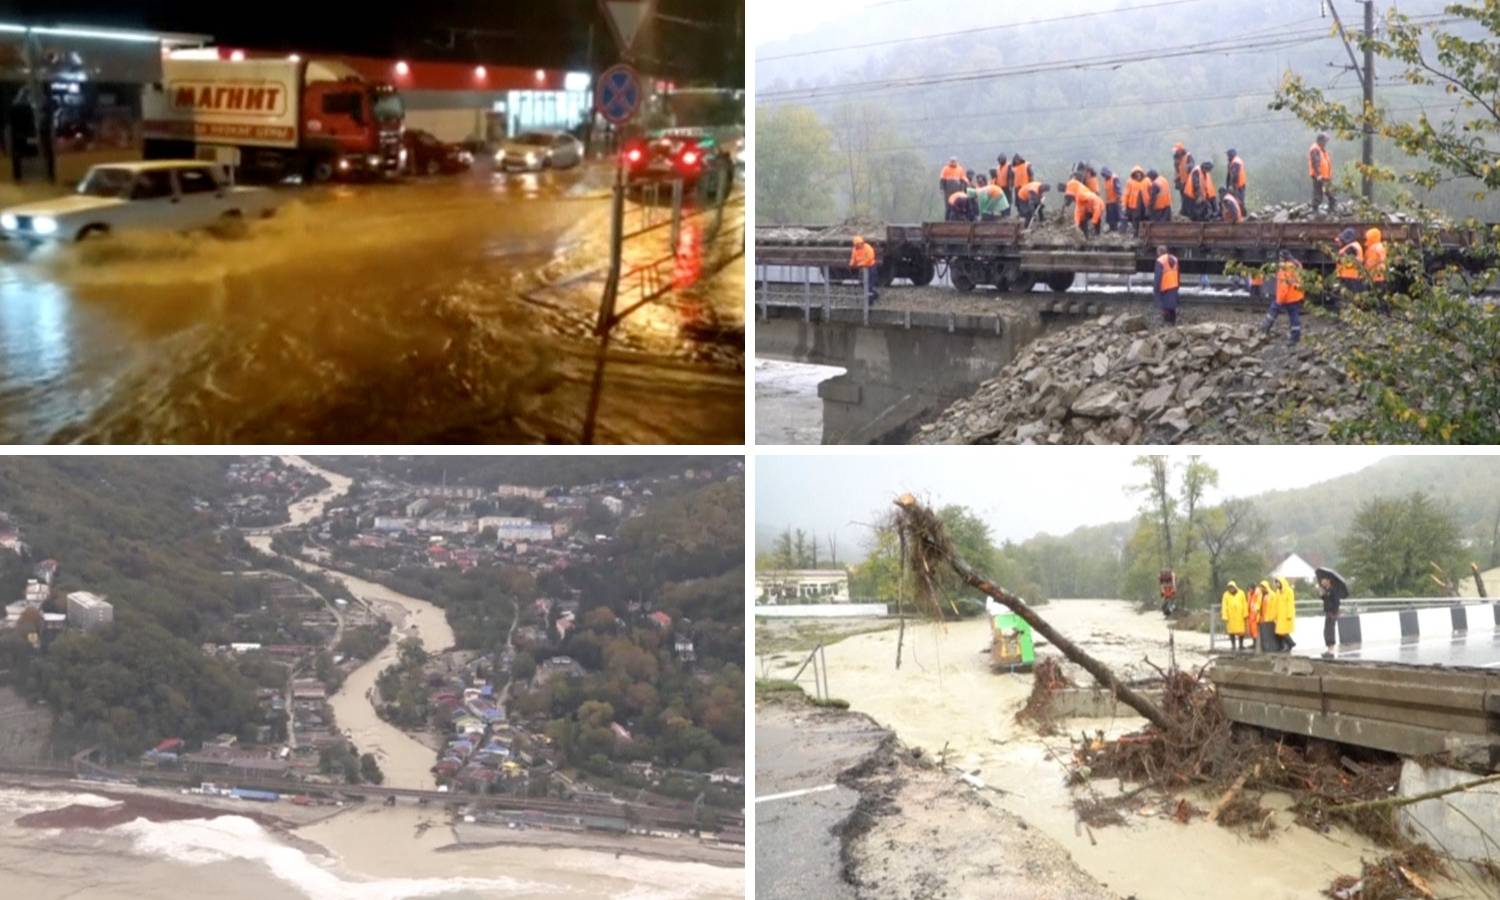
[(359, 124)]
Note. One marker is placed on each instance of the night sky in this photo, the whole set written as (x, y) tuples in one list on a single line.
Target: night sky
[(710, 49)]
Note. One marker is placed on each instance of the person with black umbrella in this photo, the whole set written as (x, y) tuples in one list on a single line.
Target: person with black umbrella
[(1334, 590)]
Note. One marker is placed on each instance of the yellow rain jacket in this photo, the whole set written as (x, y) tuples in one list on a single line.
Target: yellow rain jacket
[(1286, 607), (1233, 608)]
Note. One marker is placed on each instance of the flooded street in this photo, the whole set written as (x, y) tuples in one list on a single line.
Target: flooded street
[(424, 311)]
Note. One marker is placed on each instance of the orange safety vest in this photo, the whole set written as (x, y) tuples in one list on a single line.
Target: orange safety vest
[(954, 197), (1029, 191), (1351, 257), (1002, 176), (1375, 261), (863, 256), (1289, 284), (1135, 193), (1257, 278), (1093, 183), (1237, 174), (1089, 206), (1163, 193), (1319, 163), (1182, 168), (1020, 173), (1171, 277), (1205, 186), (954, 173), (1112, 189)]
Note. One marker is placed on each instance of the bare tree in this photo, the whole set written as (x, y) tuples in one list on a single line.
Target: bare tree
[(1229, 528), (833, 548)]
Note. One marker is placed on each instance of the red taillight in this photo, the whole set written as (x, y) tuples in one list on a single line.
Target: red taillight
[(634, 155), (690, 158)]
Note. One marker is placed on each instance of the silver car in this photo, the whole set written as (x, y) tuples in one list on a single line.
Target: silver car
[(533, 151)]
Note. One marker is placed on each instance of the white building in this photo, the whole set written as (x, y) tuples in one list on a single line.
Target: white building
[(531, 531), (392, 523), (614, 504), (1294, 568), (450, 491), (502, 522), (443, 525), (518, 490), (802, 586), (87, 610), (37, 592)]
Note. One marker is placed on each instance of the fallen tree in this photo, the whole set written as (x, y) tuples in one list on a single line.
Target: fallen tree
[(927, 547)]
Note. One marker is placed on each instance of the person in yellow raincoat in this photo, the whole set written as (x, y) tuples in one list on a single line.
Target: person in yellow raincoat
[(1268, 643), (1286, 615), (1233, 609), (1255, 599)]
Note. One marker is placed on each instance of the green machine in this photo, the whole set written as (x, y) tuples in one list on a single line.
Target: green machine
[(1011, 648)]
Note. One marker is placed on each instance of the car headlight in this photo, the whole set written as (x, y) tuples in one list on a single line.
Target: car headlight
[(465, 157), (373, 159), (44, 225), (8, 222), (402, 156), (531, 159)]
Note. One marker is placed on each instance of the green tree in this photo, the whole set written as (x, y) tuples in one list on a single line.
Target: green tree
[(523, 666), (369, 769), (1434, 375), (1390, 549), (793, 164), (1231, 532)]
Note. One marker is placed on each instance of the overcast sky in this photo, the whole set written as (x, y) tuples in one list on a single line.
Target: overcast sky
[(1019, 491)]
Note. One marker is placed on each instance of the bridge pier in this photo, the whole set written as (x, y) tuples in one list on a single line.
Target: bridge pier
[(899, 366)]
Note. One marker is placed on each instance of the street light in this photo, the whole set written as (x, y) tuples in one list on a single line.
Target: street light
[(237, 56), (480, 72), (402, 68)]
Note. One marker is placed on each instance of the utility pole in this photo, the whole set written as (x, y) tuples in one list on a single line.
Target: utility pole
[(1369, 78)]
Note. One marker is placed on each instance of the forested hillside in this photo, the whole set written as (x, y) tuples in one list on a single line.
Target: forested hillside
[(864, 131), (140, 530)]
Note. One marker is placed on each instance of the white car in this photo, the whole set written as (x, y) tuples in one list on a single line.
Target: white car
[(176, 195), (532, 151)]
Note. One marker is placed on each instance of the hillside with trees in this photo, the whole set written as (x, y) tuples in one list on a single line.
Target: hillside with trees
[(143, 532), (863, 131)]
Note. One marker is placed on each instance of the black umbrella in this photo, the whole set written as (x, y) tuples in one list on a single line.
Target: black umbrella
[(1334, 577)]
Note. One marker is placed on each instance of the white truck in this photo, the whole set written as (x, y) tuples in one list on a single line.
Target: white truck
[(316, 118)]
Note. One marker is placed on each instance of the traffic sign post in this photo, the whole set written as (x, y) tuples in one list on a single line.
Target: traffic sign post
[(617, 95), (625, 19)]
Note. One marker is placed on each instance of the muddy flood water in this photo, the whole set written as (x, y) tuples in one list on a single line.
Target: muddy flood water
[(946, 700), (416, 312)]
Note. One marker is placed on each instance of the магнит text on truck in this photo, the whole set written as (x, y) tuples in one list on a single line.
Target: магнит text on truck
[(315, 118)]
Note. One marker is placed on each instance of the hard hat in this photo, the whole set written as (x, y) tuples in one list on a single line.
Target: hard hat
[(1178, 148), (1106, 172), (1322, 137), (859, 239), (1231, 154), (1208, 165)]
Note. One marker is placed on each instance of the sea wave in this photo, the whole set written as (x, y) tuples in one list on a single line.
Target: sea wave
[(18, 802), (202, 841)]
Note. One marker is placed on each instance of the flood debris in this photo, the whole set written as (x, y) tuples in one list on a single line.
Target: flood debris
[(1047, 680), (1399, 876)]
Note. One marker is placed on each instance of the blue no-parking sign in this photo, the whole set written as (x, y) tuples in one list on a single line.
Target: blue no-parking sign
[(618, 94)]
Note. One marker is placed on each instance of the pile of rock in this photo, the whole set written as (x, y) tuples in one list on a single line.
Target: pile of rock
[(1112, 381), (1344, 211), (843, 231)]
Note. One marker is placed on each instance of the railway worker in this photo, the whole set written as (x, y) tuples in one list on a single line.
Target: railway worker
[(1166, 285), (959, 203), (952, 178), (1181, 166), (1091, 179), (1020, 173), (1167, 582), (1136, 190), (1234, 609), (1203, 199), (1159, 196), (1254, 603), (1350, 267), (1000, 176), (1029, 201), (1113, 195), (992, 202), (1375, 267), (1286, 615), (1088, 211), (862, 260), (1320, 170), (1230, 209), (1234, 176), (1289, 296)]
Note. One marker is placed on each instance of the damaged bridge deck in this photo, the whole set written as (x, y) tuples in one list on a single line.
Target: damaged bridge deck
[(1410, 710)]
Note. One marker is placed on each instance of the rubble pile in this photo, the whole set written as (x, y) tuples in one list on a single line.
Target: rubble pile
[(1345, 210), (1113, 381), (844, 231), (1061, 232)]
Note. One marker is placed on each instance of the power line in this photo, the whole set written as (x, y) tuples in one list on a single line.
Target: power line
[(1223, 46), (969, 31)]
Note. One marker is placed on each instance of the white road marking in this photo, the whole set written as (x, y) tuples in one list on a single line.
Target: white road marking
[(790, 794)]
